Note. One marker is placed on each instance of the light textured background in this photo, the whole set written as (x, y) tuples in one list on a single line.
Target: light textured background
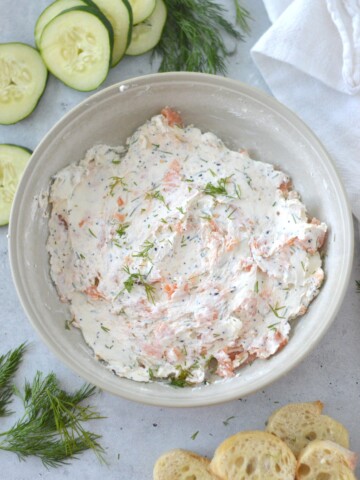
[(135, 435)]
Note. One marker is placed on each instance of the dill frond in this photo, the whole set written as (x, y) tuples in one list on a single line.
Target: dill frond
[(115, 182), (158, 196), (219, 189), (242, 17), (275, 310), (51, 427), (9, 363), (146, 247), (137, 278), (121, 230), (192, 36)]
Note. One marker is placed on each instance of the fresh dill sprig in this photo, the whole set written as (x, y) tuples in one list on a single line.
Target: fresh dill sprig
[(192, 37), (9, 363), (182, 379), (51, 427), (276, 310), (242, 17), (219, 189), (115, 182), (237, 191), (273, 325), (137, 278), (121, 230), (92, 233), (158, 196), (144, 253), (227, 421), (194, 435), (207, 217)]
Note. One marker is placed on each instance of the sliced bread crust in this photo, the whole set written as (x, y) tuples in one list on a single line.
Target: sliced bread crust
[(297, 424), (253, 455), (180, 464), (323, 459)]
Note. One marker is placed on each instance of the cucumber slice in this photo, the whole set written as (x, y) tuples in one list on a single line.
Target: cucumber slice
[(76, 47), (142, 9), (23, 78), (148, 33), (13, 160), (51, 12), (119, 14)]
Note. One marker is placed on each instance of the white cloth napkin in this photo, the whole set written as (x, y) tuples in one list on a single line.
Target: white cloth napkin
[(310, 58)]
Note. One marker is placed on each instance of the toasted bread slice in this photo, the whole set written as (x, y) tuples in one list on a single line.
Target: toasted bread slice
[(182, 465), (253, 455), (323, 459), (297, 424)]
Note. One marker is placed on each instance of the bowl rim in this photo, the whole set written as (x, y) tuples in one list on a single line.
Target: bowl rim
[(279, 109)]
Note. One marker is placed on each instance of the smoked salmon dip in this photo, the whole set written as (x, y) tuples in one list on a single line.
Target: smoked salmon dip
[(180, 259)]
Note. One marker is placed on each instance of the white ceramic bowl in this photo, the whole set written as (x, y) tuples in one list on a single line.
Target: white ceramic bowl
[(243, 117)]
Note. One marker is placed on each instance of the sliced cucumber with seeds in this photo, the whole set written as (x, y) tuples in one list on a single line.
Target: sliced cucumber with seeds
[(23, 78), (148, 33), (119, 14), (76, 47), (142, 9), (51, 12), (13, 160)]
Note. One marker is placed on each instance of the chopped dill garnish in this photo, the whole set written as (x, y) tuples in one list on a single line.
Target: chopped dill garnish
[(219, 189), (182, 379), (181, 210), (116, 181), (121, 230), (137, 278), (194, 435), (92, 233), (151, 374), (237, 190), (227, 421), (206, 217), (276, 310), (273, 325), (82, 256), (106, 329), (212, 172), (256, 287), (9, 363), (144, 253), (68, 324), (229, 216), (211, 365), (303, 266), (192, 37), (163, 220), (158, 196)]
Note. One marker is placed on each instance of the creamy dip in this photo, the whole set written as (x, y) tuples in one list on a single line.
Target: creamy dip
[(180, 258)]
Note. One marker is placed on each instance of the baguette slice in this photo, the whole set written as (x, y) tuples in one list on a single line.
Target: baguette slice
[(297, 424), (253, 455), (325, 460), (182, 465)]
